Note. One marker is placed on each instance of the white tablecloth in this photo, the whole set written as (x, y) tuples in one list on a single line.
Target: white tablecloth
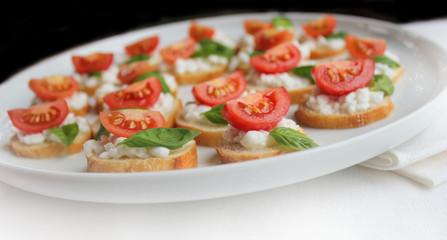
[(355, 203)]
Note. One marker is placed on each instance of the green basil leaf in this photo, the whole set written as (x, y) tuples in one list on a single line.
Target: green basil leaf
[(138, 58), (214, 115), (102, 131), (66, 133), (282, 22), (288, 137), (96, 74), (338, 35), (386, 60), (304, 72), (381, 82), (209, 47), (256, 52), (164, 86), (172, 138)]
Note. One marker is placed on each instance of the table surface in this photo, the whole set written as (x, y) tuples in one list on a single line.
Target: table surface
[(354, 203)]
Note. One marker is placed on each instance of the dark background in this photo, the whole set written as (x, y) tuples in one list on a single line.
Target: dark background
[(31, 31)]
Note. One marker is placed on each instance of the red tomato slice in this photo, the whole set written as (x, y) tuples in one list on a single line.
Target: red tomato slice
[(126, 122), (258, 111), (252, 26), (54, 87), (182, 49), (142, 94), (281, 58), (322, 26), (199, 32), (144, 46), (129, 72), (39, 117), (362, 47), (220, 90), (92, 62), (343, 77), (268, 38)]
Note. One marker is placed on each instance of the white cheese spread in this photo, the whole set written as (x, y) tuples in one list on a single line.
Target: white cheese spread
[(285, 79), (360, 100), (107, 147), (256, 139), (37, 138), (195, 65)]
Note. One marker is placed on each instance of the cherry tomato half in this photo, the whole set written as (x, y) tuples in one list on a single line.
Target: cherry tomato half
[(183, 49), (281, 58), (39, 117), (92, 62), (53, 87), (220, 90), (322, 26), (268, 38), (258, 111), (129, 72), (199, 32), (143, 46), (126, 122), (342, 77), (362, 47), (252, 26), (142, 94)]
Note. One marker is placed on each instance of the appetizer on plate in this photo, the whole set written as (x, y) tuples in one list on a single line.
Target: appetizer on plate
[(57, 87), (261, 35), (134, 140), (321, 39), (47, 130), (94, 70), (279, 67), (258, 129), (348, 95), (204, 55), (205, 114), (386, 62), (149, 93)]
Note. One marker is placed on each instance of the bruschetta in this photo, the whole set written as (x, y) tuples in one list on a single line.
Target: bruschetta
[(258, 129), (134, 140), (205, 113), (47, 130)]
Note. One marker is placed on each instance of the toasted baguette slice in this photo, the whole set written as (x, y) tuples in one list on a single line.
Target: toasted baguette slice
[(194, 78), (172, 114), (296, 95), (182, 158), (307, 116), (232, 153), (48, 149), (400, 72), (210, 136), (326, 52)]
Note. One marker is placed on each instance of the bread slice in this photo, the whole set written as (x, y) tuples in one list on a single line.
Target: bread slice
[(307, 116), (182, 158), (172, 114), (296, 95), (198, 77), (48, 149), (399, 73), (235, 152), (211, 135), (325, 52)]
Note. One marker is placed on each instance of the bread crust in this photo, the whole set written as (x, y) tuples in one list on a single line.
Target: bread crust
[(307, 116), (48, 149), (183, 158), (232, 153), (210, 137), (296, 95), (194, 78), (326, 52)]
